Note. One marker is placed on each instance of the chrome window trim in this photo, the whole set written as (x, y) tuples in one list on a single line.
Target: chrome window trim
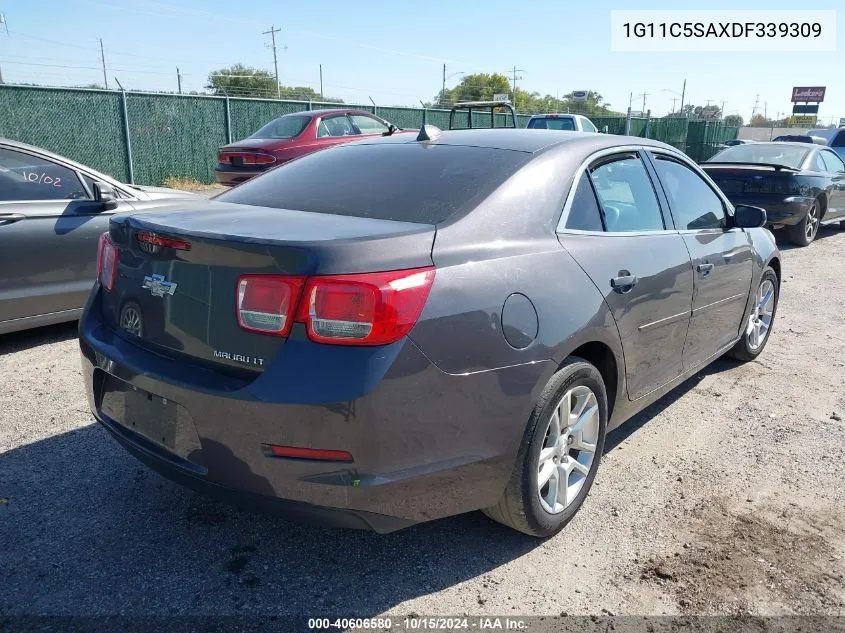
[(608, 151)]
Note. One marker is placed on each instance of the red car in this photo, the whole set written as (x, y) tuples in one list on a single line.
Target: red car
[(294, 135)]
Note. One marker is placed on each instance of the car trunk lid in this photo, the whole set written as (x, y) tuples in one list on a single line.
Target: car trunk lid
[(178, 270), (749, 179)]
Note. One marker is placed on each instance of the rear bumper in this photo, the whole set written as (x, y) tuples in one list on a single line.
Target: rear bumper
[(426, 444), (780, 210), (229, 175)]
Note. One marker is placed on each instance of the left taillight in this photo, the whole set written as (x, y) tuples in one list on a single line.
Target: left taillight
[(106, 261), (267, 303)]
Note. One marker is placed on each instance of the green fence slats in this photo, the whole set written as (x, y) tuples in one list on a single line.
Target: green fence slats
[(178, 135)]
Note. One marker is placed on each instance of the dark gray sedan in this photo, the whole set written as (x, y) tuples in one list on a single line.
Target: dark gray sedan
[(393, 331), (52, 211)]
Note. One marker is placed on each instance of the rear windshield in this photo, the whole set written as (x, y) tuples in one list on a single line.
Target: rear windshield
[(283, 127), (565, 123), (769, 153), (409, 182)]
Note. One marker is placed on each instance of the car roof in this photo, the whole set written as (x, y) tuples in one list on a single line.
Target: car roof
[(61, 159), (524, 140), (555, 115)]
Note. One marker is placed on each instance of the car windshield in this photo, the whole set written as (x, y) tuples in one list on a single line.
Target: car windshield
[(283, 127), (758, 153), (408, 182), (565, 123)]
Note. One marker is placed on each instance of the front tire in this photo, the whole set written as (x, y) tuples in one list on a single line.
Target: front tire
[(803, 233), (559, 455), (760, 321)]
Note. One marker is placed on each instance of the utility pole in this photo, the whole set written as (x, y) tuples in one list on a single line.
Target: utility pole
[(683, 92), (645, 94), (321, 82), (515, 70), (722, 111), (272, 32), (179, 80), (630, 101), (103, 58), (443, 90), (765, 109), (674, 100), (754, 109)]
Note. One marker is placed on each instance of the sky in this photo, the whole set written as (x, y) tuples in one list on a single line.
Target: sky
[(393, 52)]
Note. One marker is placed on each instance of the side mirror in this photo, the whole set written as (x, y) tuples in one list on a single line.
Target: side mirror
[(105, 195), (746, 217), (390, 130)]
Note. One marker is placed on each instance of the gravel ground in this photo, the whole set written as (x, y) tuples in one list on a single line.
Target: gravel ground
[(726, 496)]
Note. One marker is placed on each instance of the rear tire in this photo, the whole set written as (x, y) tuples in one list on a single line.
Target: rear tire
[(544, 510), (750, 346), (803, 233)]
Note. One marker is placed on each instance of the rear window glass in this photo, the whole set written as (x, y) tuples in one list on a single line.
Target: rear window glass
[(409, 182), (283, 127), (565, 123), (759, 153)]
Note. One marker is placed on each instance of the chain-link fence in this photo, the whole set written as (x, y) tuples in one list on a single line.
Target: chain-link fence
[(145, 137)]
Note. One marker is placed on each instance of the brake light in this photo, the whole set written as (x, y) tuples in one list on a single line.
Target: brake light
[(157, 240), (267, 303), (359, 309), (364, 309), (106, 261), (245, 158)]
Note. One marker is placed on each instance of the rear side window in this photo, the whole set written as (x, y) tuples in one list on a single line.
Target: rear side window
[(283, 127), (832, 161), (584, 213), (626, 195), (335, 126), (27, 177), (408, 182)]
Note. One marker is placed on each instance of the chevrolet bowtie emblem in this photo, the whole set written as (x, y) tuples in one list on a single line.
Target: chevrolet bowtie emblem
[(158, 285)]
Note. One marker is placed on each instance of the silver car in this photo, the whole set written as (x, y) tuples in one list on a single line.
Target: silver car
[(52, 212)]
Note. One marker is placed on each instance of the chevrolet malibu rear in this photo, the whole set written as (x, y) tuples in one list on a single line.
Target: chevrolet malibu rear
[(390, 332)]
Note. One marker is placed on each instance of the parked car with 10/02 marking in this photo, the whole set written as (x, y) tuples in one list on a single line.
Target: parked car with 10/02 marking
[(362, 339)]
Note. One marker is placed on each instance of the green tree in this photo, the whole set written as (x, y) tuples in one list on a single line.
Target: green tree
[(477, 87), (242, 81), (734, 119), (305, 93)]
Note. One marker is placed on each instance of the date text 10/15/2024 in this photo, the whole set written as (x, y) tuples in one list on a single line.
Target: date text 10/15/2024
[(480, 623)]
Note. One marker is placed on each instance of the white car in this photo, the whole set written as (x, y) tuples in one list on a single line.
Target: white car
[(566, 122)]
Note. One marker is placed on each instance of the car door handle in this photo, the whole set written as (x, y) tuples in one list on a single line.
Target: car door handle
[(10, 218), (704, 268), (623, 283)]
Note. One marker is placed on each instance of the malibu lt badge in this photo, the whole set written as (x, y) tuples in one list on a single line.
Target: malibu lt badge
[(158, 285)]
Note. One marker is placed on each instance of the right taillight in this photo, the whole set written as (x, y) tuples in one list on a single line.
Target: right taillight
[(106, 261), (359, 309)]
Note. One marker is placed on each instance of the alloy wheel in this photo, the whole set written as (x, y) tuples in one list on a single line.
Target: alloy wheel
[(813, 220), (760, 321), (569, 449)]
